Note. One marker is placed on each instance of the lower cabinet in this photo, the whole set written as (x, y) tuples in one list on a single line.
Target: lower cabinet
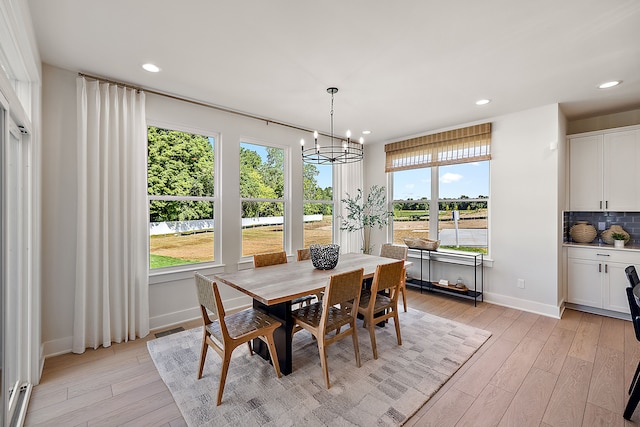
[(596, 277)]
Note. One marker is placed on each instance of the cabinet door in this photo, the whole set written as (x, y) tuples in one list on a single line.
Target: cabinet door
[(585, 173), (585, 282), (616, 282), (622, 171)]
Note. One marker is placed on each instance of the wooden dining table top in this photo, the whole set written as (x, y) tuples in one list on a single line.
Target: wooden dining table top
[(279, 283)]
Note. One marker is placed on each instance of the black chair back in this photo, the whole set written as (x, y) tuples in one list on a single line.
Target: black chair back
[(632, 275)]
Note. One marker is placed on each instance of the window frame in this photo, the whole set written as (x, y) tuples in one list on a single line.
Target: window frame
[(286, 206), (215, 199), (433, 200)]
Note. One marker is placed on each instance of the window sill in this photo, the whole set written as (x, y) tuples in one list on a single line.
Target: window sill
[(183, 273)]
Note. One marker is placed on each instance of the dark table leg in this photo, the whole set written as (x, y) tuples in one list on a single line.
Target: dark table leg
[(282, 335)]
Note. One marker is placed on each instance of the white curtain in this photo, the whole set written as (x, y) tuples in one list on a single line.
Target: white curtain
[(112, 286), (349, 178)]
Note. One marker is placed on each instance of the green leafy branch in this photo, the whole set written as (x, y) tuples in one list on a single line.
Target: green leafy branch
[(365, 214)]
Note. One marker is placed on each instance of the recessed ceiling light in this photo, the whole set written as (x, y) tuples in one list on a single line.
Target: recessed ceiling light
[(607, 85), (366, 132), (151, 68), (483, 101)]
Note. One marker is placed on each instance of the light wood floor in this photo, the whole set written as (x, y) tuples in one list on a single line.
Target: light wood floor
[(533, 371)]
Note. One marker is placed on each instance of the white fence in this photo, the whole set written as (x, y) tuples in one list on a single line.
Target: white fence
[(176, 227)]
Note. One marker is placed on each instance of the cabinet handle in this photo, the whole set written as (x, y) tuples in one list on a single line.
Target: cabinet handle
[(606, 204), (603, 255), (599, 268), (600, 204)]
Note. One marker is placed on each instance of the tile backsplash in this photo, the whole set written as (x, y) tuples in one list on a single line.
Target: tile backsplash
[(630, 221)]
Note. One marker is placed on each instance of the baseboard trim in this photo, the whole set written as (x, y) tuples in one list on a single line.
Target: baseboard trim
[(57, 347), (524, 305), (599, 311), (175, 318)]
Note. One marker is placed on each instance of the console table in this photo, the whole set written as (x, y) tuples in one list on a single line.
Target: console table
[(465, 259)]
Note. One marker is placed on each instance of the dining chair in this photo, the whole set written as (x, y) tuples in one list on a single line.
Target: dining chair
[(304, 254), (226, 332), (389, 250), (331, 314), (274, 258), (376, 306), (634, 388)]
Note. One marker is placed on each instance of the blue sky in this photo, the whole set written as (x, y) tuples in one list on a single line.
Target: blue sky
[(469, 179)]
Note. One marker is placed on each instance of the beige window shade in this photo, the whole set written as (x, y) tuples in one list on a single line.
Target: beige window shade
[(462, 145)]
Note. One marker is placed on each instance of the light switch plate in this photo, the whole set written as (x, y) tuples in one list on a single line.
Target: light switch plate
[(601, 225)]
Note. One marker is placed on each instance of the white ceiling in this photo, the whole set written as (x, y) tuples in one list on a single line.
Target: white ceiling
[(402, 67)]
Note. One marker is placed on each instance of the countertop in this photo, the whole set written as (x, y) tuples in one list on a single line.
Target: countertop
[(596, 244)]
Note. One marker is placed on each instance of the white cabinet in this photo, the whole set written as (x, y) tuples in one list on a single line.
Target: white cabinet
[(603, 171), (596, 277)]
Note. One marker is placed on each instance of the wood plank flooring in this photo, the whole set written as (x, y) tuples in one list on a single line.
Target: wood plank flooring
[(533, 371)]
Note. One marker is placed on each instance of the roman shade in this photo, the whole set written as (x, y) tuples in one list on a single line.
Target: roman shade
[(464, 145)]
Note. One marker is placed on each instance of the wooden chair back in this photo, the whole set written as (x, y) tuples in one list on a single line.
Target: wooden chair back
[(343, 288), (273, 258), (389, 250), (209, 299), (304, 254), (388, 277)]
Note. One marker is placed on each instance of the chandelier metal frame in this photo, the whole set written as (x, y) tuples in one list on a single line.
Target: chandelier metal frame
[(340, 150)]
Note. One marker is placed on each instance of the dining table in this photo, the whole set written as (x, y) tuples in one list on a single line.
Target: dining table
[(274, 287)]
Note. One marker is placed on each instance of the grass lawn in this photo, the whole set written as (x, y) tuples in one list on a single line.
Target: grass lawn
[(159, 261)]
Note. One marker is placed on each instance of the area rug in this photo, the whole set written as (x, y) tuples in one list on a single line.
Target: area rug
[(383, 392)]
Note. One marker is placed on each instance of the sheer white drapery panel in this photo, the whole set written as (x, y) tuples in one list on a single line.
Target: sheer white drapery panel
[(112, 286), (349, 178)]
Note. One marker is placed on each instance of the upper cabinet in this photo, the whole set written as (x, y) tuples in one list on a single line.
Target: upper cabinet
[(604, 170)]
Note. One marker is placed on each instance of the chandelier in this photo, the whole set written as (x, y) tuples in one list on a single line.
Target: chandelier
[(340, 150)]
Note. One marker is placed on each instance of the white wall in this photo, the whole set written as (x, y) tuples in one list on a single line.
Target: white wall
[(524, 216)]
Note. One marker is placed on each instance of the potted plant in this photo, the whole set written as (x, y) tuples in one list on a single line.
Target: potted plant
[(364, 214), (619, 240)]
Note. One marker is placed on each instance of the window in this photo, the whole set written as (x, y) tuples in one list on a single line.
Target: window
[(262, 194), (433, 176), (461, 188), (318, 204), (182, 202)]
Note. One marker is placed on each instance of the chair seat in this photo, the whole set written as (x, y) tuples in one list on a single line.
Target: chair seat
[(311, 315), (242, 323), (382, 302)]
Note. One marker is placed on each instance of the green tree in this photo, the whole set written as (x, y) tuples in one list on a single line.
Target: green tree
[(179, 164), (257, 181), (272, 170)]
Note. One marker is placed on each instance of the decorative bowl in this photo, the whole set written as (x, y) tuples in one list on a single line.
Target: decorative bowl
[(418, 243), (583, 232), (324, 257), (607, 234)]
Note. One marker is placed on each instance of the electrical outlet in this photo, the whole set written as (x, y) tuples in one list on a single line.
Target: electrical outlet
[(521, 283), (601, 225)]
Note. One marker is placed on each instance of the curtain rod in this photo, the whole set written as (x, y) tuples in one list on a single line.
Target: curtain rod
[(199, 103)]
